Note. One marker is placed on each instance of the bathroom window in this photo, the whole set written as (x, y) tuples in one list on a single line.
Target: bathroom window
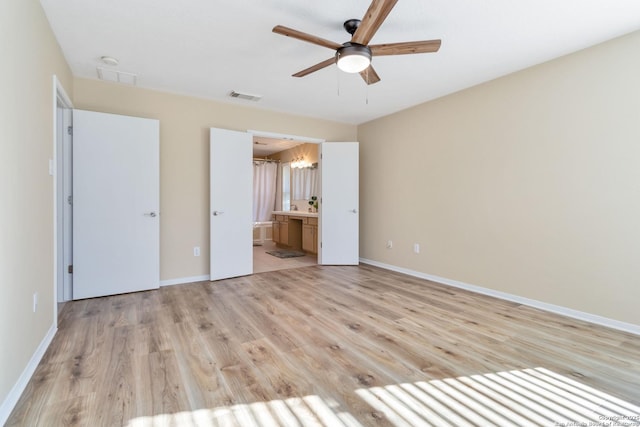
[(286, 186)]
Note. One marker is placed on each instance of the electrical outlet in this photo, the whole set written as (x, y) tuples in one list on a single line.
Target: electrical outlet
[(35, 301), (389, 244), (416, 248), (196, 251)]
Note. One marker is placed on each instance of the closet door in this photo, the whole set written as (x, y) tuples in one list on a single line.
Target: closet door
[(231, 203), (116, 201), (339, 210)]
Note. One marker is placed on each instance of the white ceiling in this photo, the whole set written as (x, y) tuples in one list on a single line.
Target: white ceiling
[(207, 48), (264, 147)]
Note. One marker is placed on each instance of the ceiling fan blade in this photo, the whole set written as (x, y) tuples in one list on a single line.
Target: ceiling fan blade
[(404, 48), (369, 75), (315, 68), (290, 32), (373, 18)]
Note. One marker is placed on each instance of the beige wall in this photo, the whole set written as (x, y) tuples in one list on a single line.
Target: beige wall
[(307, 151), (30, 57), (184, 157), (529, 184)]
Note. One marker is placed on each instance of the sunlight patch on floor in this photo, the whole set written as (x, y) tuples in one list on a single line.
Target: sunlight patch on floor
[(528, 397), (308, 411)]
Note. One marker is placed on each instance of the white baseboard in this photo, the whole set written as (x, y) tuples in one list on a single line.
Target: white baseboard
[(16, 391), (183, 280), (564, 311)]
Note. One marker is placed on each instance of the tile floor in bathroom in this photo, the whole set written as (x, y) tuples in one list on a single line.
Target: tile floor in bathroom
[(262, 261)]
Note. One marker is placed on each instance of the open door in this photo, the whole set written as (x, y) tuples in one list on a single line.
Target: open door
[(231, 204), (116, 200), (339, 212), (63, 193)]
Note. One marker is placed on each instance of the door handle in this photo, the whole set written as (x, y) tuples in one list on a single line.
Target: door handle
[(216, 213), (353, 211), (151, 214)]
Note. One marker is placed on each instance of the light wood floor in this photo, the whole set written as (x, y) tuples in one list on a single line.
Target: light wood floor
[(327, 346)]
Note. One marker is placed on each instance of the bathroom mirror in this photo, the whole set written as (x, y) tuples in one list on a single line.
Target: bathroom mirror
[(298, 186), (300, 176), (305, 182)]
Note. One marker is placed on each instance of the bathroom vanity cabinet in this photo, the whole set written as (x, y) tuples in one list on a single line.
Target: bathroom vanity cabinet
[(310, 236), (297, 230)]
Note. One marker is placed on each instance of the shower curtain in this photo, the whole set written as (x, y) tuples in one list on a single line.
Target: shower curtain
[(264, 190)]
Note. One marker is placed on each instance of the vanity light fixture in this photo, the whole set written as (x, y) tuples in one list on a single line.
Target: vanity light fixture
[(299, 163)]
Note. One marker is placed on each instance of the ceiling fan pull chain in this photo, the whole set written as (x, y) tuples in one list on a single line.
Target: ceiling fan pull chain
[(367, 89)]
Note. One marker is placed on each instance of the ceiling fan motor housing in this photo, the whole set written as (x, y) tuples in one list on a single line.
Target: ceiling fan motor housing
[(350, 48), (351, 25)]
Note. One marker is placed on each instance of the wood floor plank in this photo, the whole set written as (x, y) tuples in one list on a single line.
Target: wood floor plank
[(29, 411), (166, 394), (324, 346), (118, 380), (77, 411)]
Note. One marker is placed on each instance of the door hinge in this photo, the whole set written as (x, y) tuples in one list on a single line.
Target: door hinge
[(70, 200), (70, 269), (70, 130)]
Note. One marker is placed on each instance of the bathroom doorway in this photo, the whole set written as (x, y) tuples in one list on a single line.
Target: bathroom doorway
[(286, 180), (332, 231)]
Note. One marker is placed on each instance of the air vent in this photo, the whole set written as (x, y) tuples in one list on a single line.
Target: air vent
[(117, 76), (246, 96)]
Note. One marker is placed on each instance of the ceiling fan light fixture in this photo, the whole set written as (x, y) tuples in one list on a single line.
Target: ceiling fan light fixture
[(353, 57)]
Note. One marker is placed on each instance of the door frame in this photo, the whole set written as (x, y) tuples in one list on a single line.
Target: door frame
[(276, 135), (62, 119)]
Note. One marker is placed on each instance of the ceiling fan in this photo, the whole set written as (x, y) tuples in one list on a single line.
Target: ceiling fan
[(355, 55)]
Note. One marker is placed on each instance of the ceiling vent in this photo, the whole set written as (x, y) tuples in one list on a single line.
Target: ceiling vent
[(117, 76), (246, 96)]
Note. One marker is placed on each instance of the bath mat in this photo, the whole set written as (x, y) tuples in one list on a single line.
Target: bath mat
[(285, 253)]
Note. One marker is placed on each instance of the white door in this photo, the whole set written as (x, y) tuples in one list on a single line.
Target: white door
[(339, 217), (231, 203), (116, 197)]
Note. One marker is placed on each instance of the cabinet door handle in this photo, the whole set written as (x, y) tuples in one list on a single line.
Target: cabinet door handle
[(353, 211), (216, 213)]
